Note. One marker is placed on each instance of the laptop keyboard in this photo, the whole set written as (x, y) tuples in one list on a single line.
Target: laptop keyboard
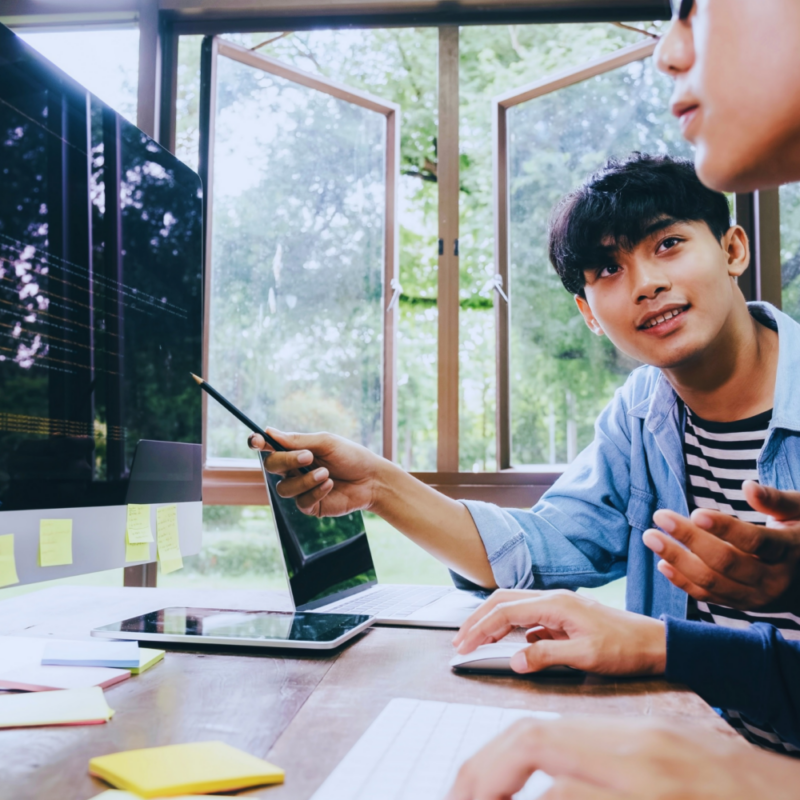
[(397, 602)]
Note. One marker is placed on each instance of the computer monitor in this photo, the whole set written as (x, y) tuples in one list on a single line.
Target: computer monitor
[(100, 320)]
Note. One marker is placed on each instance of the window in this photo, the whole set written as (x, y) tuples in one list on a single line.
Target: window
[(554, 375), (106, 62), (790, 248), (301, 251)]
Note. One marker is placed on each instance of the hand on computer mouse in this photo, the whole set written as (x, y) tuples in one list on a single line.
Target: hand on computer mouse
[(568, 629), (343, 478)]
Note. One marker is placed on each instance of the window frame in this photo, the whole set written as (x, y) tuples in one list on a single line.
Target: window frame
[(215, 47), (502, 307), (162, 22)]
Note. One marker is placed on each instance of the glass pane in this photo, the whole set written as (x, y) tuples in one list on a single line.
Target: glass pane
[(105, 62), (241, 551), (495, 59), (561, 374), (296, 330), (400, 65), (790, 249)]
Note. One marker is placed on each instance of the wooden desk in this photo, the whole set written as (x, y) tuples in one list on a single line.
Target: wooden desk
[(303, 713)]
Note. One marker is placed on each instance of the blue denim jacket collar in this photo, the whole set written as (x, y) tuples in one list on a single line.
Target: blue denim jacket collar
[(657, 408)]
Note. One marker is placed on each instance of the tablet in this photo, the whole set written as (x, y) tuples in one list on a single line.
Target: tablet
[(214, 626)]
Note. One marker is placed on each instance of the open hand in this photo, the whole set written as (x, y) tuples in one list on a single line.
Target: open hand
[(733, 563), (570, 630)]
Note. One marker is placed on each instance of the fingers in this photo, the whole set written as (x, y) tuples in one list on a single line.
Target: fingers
[(698, 592), (779, 505), (498, 597), (309, 503), (298, 485), (708, 561), (550, 653)]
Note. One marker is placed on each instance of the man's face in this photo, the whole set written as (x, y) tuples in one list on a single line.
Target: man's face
[(664, 301), (736, 65)]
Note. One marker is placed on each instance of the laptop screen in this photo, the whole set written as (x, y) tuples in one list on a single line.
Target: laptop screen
[(326, 559)]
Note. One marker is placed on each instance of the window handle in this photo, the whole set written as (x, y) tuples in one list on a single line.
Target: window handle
[(496, 283), (396, 291)]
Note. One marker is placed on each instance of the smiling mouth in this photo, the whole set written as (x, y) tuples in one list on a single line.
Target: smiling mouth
[(661, 319)]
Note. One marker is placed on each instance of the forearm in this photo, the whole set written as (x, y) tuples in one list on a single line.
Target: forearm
[(753, 671), (442, 526)]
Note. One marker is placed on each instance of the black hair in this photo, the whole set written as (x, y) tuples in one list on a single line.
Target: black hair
[(617, 205)]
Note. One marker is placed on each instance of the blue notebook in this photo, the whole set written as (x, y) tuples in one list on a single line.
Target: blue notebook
[(91, 654)]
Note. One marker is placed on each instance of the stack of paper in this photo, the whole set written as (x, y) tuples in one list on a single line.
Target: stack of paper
[(69, 707), (35, 665), (91, 654), (38, 678), (184, 768)]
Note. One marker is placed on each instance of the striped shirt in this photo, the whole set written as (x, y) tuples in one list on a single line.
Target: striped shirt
[(720, 456)]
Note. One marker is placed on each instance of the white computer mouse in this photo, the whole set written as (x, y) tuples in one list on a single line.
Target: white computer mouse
[(497, 658)]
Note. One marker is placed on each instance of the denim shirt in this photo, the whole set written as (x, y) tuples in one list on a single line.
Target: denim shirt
[(587, 528)]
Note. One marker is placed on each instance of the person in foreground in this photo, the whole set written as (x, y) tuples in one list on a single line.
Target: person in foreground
[(602, 758), (736, 66)]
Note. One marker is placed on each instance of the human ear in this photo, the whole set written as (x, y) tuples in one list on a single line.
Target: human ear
[(587, 315), (737, 247)]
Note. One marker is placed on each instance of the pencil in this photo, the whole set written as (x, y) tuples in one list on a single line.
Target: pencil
[(242, 417)]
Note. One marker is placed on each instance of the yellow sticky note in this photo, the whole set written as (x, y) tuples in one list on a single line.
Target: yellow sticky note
[(55, 542), (138, 528), (169, 543), (62, 707), (8, 565), (137, 552), (177, 769)]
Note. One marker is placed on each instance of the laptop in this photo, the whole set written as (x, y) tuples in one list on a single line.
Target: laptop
[(329, 568)]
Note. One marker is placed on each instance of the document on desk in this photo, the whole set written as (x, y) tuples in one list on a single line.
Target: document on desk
[(414, 749)]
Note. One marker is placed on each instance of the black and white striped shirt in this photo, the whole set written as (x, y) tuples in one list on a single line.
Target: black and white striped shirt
[(719, 457)]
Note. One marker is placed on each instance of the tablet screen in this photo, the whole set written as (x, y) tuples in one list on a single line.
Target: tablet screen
[(252, 625)]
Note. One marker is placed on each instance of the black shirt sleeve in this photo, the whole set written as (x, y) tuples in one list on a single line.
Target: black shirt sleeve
[(754, 671)]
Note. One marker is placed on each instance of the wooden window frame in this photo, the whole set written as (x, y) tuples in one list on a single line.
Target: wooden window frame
[(162, 22), (215, 48), (500, 106)]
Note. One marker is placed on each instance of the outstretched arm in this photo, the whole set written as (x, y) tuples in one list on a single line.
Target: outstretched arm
[(348, 477)]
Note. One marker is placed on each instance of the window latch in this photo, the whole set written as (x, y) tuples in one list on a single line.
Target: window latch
[(397, 290), (496, 283)]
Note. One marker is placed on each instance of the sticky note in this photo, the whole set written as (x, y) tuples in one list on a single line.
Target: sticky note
[(116, 794), (136, 552), (65, 707), (147, 658), (137, 527), (169, 543), (8, 565), (184, 768), (55, 542)]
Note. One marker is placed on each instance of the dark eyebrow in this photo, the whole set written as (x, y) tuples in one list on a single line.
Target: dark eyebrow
[(659, 225)]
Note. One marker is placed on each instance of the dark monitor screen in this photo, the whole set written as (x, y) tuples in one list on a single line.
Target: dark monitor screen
[(100, 290), (326, 559)]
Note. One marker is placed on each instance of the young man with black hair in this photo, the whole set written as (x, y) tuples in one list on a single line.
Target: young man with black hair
[(652, 258)]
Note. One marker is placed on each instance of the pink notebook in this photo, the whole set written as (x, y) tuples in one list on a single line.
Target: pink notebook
[(38, 678)]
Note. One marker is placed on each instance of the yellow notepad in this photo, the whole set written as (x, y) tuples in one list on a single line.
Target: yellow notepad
[(169, 542), (184, 768), (116, 794), (55, 542), (65, 707), (146, 660), (8, 566), (137, 527)]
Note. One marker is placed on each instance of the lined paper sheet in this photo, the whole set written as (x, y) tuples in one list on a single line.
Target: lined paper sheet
[(414, 749)]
